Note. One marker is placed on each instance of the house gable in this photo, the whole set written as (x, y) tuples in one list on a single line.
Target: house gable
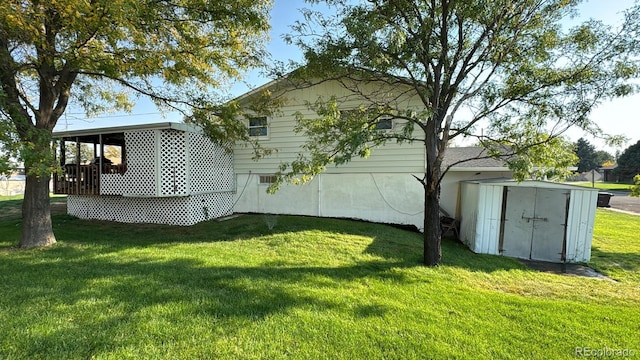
[(390, 158)]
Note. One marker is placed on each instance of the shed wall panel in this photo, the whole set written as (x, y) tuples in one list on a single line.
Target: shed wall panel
[(469, 215), (580, 225)]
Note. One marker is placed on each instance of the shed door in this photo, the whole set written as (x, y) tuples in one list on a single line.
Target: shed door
[(534, 223)]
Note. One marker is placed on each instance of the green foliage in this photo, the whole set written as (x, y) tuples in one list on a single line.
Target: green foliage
[(511, 64), (635, 190), (540, 157), (443, 68), (602, 157), (8, 147), (587, 155), (628, 163), (98, 55)]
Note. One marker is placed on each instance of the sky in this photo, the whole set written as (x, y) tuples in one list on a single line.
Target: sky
[(618, 117)]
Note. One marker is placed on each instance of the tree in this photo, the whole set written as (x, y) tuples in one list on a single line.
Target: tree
[(628, 163), (506, 66), (113, 153), (587, 155), (635, 189), (98, 54), (71, 153), (603, 157)]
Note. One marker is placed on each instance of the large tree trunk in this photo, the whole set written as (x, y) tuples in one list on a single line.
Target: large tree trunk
[(432, 233), (36, 214), (431, 183)]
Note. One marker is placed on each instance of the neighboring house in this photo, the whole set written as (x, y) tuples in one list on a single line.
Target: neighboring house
[(169, 173), (607, 173)]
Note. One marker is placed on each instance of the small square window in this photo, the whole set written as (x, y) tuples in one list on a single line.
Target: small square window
[(258, 126)]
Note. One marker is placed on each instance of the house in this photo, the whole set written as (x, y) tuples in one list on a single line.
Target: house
[(171, 173), (381, 188), (608, 173), (167, 173)]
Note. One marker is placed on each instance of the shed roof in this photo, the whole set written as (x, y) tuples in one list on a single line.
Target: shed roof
[(529, 183)]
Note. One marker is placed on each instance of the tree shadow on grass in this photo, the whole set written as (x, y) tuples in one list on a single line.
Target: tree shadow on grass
[(454, 254), (94, 301), (604, 260)]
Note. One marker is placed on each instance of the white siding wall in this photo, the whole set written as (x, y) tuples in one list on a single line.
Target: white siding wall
[(480, 217), (392, 158), (385, 198), (488, 225), (469, 214)]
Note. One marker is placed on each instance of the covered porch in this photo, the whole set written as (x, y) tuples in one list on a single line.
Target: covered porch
[(85, 159)]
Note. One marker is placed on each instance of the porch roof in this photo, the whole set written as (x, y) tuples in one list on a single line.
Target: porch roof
[(124, 128)]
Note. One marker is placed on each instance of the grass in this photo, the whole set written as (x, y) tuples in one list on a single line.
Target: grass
[(308, 288), (603, 185)]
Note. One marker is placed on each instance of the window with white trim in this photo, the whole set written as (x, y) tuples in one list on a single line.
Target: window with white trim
[(258, 126)]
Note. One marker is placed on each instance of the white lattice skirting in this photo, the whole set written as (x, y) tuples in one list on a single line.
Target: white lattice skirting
[(182, 210)]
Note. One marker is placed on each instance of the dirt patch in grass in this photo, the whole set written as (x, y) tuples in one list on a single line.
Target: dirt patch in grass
[(565, 269)]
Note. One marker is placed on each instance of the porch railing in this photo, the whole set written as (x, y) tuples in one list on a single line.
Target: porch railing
[(83, 179)]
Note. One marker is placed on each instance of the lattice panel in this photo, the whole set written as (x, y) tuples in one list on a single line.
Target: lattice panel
[(112, 184), (211, 167), (210, 206), (184, 211), (173, 160), (140, 178)]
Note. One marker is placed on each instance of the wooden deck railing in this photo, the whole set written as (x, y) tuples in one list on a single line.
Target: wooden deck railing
[(83, 179)]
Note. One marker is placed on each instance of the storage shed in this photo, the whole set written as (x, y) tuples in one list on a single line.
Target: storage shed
[(534, 220)]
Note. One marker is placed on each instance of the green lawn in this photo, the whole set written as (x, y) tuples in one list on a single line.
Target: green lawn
[(307, 289), (603, 185)]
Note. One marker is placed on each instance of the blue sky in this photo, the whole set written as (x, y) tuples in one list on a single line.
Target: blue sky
[(616, 117)]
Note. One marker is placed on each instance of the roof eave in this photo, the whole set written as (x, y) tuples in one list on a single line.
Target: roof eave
[(118, 129)]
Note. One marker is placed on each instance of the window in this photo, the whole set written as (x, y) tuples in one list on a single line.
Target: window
[(267, 179), (384, 124), (258, 126)]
